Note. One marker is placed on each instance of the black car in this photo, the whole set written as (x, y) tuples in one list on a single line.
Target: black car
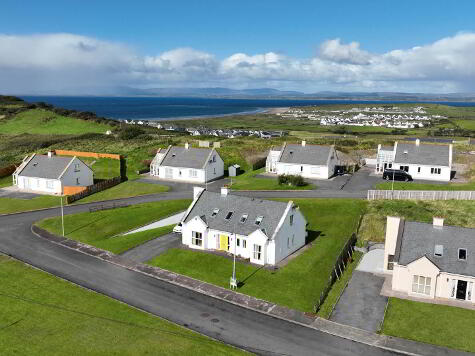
[(397, 173)]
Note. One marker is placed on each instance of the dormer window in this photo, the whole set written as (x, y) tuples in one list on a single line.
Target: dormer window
[(229, 215), (243, 218), (259, 220), (439, 250), (462, 254), (215, 212)]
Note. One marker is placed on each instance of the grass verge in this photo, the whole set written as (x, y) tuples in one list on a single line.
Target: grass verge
[(425, 186), (44, 315), (431, 323), (249, 181), (14, 205)]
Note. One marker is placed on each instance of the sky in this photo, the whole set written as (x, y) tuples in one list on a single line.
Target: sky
[(92, 47)]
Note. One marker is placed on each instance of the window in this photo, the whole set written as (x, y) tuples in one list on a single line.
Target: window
[(288, 242), (291, 220), (439, 250), (257, 252), (293, 238), (243, 218), (193, 173), (50, 184), (214, 170), (196, 238), (390, 165), (215, 212), (179, 173), (238, 242), (214, 158), (462, 254), (76, 167), (77, 181), (404, 168), (421, 285), (435, 171), (229, 215), (244, 243), (314, 170), (390, 262), (418, 169), (259, 220), (301, 168)]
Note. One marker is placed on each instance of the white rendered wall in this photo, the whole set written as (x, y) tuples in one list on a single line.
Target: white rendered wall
[(283, 243), (84, 173), (425, 172)]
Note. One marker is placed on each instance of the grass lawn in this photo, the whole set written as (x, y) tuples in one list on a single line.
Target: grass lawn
[(466, 124), (125, 190), (104, 168), (6, 181), (299, 283), (44, 315), (338, 287), (455, 212), (13, 205), (434, 324), (40, 121), (248, 181), (425, 186), (100, 228)]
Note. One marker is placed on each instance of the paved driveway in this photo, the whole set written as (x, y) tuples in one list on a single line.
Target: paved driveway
[(153, 248), (361, 305), (14, 192)]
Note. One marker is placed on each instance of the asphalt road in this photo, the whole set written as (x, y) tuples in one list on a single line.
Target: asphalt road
[(153, 248), (231, 324)]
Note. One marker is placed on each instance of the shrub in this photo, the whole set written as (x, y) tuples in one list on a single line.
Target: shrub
[(130, 132), (291, 179)]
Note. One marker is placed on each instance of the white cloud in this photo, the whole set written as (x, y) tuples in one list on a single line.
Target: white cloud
[(58, 62)]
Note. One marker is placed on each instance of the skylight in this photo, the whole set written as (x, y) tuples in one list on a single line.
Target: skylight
[(439, 250), (229, 215), (215, 212), (259, 220), (463, 254), (243, 218)]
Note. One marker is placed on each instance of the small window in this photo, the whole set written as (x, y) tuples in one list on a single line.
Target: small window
[(244, 243), (77, 181), (435, 171), (76, 167), (301, 168), (257, 252), (421, 285), (196, 238), (243, 218), (215, 212), (291, 220), (462, 254), (439, 250), (288, 242), (229, 215), (418, 169), (214, 158), (238, 242), (259, 220)]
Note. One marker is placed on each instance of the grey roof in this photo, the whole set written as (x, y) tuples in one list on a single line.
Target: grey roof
[(308, 154), (42, 166), (437, 155), (186, 157), (419, 239), (272, 212)]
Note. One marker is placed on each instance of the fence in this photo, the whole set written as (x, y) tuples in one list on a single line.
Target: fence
[(421, 194), (340, 265), (87, 154), (98, 187)]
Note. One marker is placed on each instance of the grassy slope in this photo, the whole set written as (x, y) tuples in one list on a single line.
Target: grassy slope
[(298, 284), (459, 213), (435, 324), (39, 121), (99, 228), (104, 168), (13, 205), (248, 181), (425, 186), (44, 315)]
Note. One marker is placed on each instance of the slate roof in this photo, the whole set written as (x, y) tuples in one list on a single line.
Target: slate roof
[(186, 158), (425, 154), (272, 212), (308, 154), (419, 239), (42, 166)]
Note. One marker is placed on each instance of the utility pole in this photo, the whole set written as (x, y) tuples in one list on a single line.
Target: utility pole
[(62, 214), (233, 281), (392, 187)]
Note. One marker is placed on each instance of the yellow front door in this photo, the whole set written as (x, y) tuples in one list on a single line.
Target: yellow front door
[(223, 242)]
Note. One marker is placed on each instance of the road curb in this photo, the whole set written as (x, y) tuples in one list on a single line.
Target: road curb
[(257, 305)]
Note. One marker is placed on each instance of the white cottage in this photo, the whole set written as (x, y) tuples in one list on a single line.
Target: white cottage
[(308, 161), (52, 174), (187, 164), (263, 231), (430, 260), (421, 161)]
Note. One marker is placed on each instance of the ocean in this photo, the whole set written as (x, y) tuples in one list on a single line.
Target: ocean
[(153, 108)]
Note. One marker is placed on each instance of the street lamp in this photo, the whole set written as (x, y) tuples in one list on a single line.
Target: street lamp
[(233, 281), (62, 215)]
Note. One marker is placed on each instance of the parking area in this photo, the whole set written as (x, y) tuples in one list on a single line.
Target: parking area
[(153, 248), (14, 193)]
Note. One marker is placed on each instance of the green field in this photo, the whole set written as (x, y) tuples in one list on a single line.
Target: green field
[(455, 212), (434, 324), (44, 315), (249, 181), (299, 283), (425, 186), (101, 228), (466, 124), (6, 181), (44, 122)]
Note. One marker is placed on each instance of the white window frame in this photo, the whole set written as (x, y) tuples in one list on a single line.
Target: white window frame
[(197, 238), (50, 184), (77, 181), (421, 284), (257, 252), (77, 167), (193, 173), (244, 243), (434, 170), (291, 220)]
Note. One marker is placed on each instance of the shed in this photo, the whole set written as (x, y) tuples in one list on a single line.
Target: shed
[(234, 170)]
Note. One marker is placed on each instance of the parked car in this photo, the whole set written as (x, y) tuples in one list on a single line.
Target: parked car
[(397, 173), (177, 228)]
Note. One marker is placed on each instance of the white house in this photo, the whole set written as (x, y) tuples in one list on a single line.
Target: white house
[(308, 161), (53, 174), (421, 161), (264, 231), (430, 260), (187, 164)]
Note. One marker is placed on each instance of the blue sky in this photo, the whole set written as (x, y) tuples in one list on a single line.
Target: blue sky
[(292, 29)]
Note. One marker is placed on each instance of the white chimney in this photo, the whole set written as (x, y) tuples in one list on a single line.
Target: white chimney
[(224, 191), (418, 142), (438, 222), (197, 191), (187, 145), (304, 143), (394, 227), (50, 154)]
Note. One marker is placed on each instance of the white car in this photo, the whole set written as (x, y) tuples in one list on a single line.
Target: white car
[(177, 228)]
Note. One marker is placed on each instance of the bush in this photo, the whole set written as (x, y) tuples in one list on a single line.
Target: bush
[(291, 179), (130, 132)]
